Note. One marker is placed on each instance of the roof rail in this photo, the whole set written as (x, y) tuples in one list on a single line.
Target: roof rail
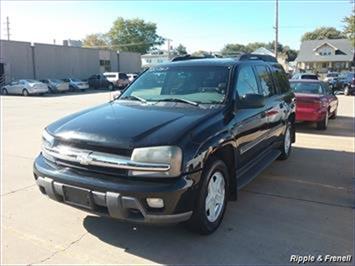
[(262, 57), (190, 57)]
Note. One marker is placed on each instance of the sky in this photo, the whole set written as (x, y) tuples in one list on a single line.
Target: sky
[(198, 25)]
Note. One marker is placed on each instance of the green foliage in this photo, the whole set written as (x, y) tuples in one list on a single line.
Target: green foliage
[(134, 35), (236, 49), (349, 27), (202, 53), (181, 50), (96, 40), (323, 33)]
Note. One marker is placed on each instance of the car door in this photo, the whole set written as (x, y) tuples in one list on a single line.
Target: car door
[(274, 104), (12, 87), (249, 124)]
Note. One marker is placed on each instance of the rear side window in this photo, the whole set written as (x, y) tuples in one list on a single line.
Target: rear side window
[(267, 88), (246, 82), (280, 79)]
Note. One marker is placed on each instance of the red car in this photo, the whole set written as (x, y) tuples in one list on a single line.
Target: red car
[(315, 102)]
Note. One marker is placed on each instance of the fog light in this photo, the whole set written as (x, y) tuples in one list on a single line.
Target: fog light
[(155, 202)]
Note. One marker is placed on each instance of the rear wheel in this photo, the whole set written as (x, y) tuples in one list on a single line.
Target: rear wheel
[(335, 113), (25, 92), (322, 125), (286, 146), (4, 92), (212, 200)]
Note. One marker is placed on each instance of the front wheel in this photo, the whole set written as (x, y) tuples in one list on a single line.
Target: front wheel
[(212, 200), (286, 146), (25, 92)]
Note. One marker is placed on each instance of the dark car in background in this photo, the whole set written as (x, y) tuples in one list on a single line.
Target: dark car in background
[(316, 102), (100, 81), (346, 83), (176, 145)]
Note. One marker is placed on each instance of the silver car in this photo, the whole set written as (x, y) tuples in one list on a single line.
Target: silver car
[(76, 84), (56, 85), (25, 87)]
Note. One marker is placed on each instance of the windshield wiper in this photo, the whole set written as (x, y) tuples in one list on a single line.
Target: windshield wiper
[(133, 97), (178, 100)]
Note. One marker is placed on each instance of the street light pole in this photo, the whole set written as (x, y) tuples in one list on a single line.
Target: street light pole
[(276, 26)]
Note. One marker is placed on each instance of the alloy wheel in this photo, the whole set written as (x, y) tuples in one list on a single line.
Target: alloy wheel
[(215, 197)]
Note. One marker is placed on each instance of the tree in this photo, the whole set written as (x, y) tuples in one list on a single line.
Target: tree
[(349, 27), (134, 35), (323, 33), (96, 40), (202, 53), (234, 49), (181, 50)]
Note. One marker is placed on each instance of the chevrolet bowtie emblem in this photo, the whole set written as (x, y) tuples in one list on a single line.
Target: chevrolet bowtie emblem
[(84, 158)]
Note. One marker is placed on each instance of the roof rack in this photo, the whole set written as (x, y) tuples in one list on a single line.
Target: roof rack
[(190, 57), (262, 57)]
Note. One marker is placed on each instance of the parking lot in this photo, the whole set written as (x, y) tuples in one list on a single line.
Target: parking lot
[(302, 206)]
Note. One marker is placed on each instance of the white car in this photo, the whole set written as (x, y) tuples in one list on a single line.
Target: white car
[(25, 87), (56, 85), (119, 79), (76, 84)]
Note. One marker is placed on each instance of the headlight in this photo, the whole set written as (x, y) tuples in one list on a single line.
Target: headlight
[(170, 155), (47, 143)]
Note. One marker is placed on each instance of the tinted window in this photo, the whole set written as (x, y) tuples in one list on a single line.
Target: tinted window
[(246, 82), (307, 87), (280, 79), (123, 76), (265, 79), (309, 77)]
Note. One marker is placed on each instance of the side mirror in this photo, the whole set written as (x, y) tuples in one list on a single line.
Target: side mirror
[(251, 101)]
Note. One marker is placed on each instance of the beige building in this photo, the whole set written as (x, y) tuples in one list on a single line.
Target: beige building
[(325, 55)]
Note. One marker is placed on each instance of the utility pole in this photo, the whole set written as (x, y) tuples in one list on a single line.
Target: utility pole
[(8, 28), (169, 40), (276, 26)]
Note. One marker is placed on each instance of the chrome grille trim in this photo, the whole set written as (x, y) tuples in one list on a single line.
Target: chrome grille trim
[(87, 157)]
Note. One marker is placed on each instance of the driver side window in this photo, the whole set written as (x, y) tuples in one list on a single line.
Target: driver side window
[(246, 82)]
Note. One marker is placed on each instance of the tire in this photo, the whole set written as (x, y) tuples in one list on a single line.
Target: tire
[(335, 113), (286, 146), (4, 92), (346, 91), (214, 189), (322, 125), (25, 92)]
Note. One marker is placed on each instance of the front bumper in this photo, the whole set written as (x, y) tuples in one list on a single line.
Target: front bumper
[(120, 198)]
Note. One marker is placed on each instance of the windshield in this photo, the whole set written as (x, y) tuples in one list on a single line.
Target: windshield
[(309, 76), (309, 87), (202, 84), (331, 75), (56, 81), (32, 81)]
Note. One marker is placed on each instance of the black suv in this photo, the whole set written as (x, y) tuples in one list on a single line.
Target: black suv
[(99, 81), (176, 145)]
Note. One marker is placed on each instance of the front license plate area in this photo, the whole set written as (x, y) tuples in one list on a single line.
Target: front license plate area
[(77, 196)]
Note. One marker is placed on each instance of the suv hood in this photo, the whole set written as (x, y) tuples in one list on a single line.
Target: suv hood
[(129, 125)]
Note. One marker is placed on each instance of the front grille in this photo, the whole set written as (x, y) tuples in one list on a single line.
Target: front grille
[(99, 148)]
